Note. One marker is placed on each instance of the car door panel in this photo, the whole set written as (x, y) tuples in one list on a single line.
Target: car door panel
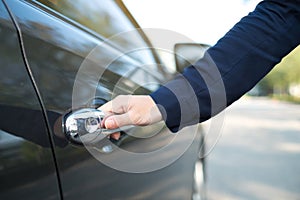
[(27, 169), (56, 51)]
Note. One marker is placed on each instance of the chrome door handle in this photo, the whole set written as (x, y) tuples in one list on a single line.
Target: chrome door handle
[(83, 126), (111, 131)]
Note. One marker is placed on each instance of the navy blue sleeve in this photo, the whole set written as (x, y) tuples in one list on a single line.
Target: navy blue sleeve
[(233, 66)]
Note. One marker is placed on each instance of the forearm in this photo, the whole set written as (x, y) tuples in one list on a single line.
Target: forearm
[(232, 66)]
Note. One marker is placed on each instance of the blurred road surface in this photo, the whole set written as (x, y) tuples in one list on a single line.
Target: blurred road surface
[(258, 154)]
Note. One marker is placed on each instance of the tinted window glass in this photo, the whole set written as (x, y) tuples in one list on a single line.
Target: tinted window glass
[(107, 19)]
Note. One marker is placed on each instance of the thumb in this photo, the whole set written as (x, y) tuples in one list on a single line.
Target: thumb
[(116, 121)]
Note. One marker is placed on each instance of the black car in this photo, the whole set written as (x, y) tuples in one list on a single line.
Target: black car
[(44, 45)]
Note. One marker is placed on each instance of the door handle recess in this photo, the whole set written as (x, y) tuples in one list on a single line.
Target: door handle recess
[(83, 126)]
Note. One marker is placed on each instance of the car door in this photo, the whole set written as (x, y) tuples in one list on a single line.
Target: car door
[(78, 56), (27, 167)]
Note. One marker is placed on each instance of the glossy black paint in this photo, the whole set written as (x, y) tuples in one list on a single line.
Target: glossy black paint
[(55, 47), (26, 164)]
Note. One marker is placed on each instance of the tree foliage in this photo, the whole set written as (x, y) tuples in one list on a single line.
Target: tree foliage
[(286, 73)]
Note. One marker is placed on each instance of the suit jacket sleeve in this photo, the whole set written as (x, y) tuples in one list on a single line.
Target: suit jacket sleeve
[(232, 66)]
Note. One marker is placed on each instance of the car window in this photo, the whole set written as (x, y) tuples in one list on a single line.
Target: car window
[(107, 19)]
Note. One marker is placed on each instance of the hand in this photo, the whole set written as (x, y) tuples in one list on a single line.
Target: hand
[(124, 110)]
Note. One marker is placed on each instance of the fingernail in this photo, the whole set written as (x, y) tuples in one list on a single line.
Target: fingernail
[(115, 136), (110, 123)]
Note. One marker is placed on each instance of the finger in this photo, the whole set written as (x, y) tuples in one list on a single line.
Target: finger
[(117, 105), (116, 121), (106, 115), (115, 136), (106, 108)]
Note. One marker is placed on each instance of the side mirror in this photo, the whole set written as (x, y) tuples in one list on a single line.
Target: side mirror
[(187, 54)]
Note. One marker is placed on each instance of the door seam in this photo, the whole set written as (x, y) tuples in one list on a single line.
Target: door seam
[(38, 94)]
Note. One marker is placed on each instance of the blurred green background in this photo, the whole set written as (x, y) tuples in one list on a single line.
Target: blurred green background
[(283, 82)]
